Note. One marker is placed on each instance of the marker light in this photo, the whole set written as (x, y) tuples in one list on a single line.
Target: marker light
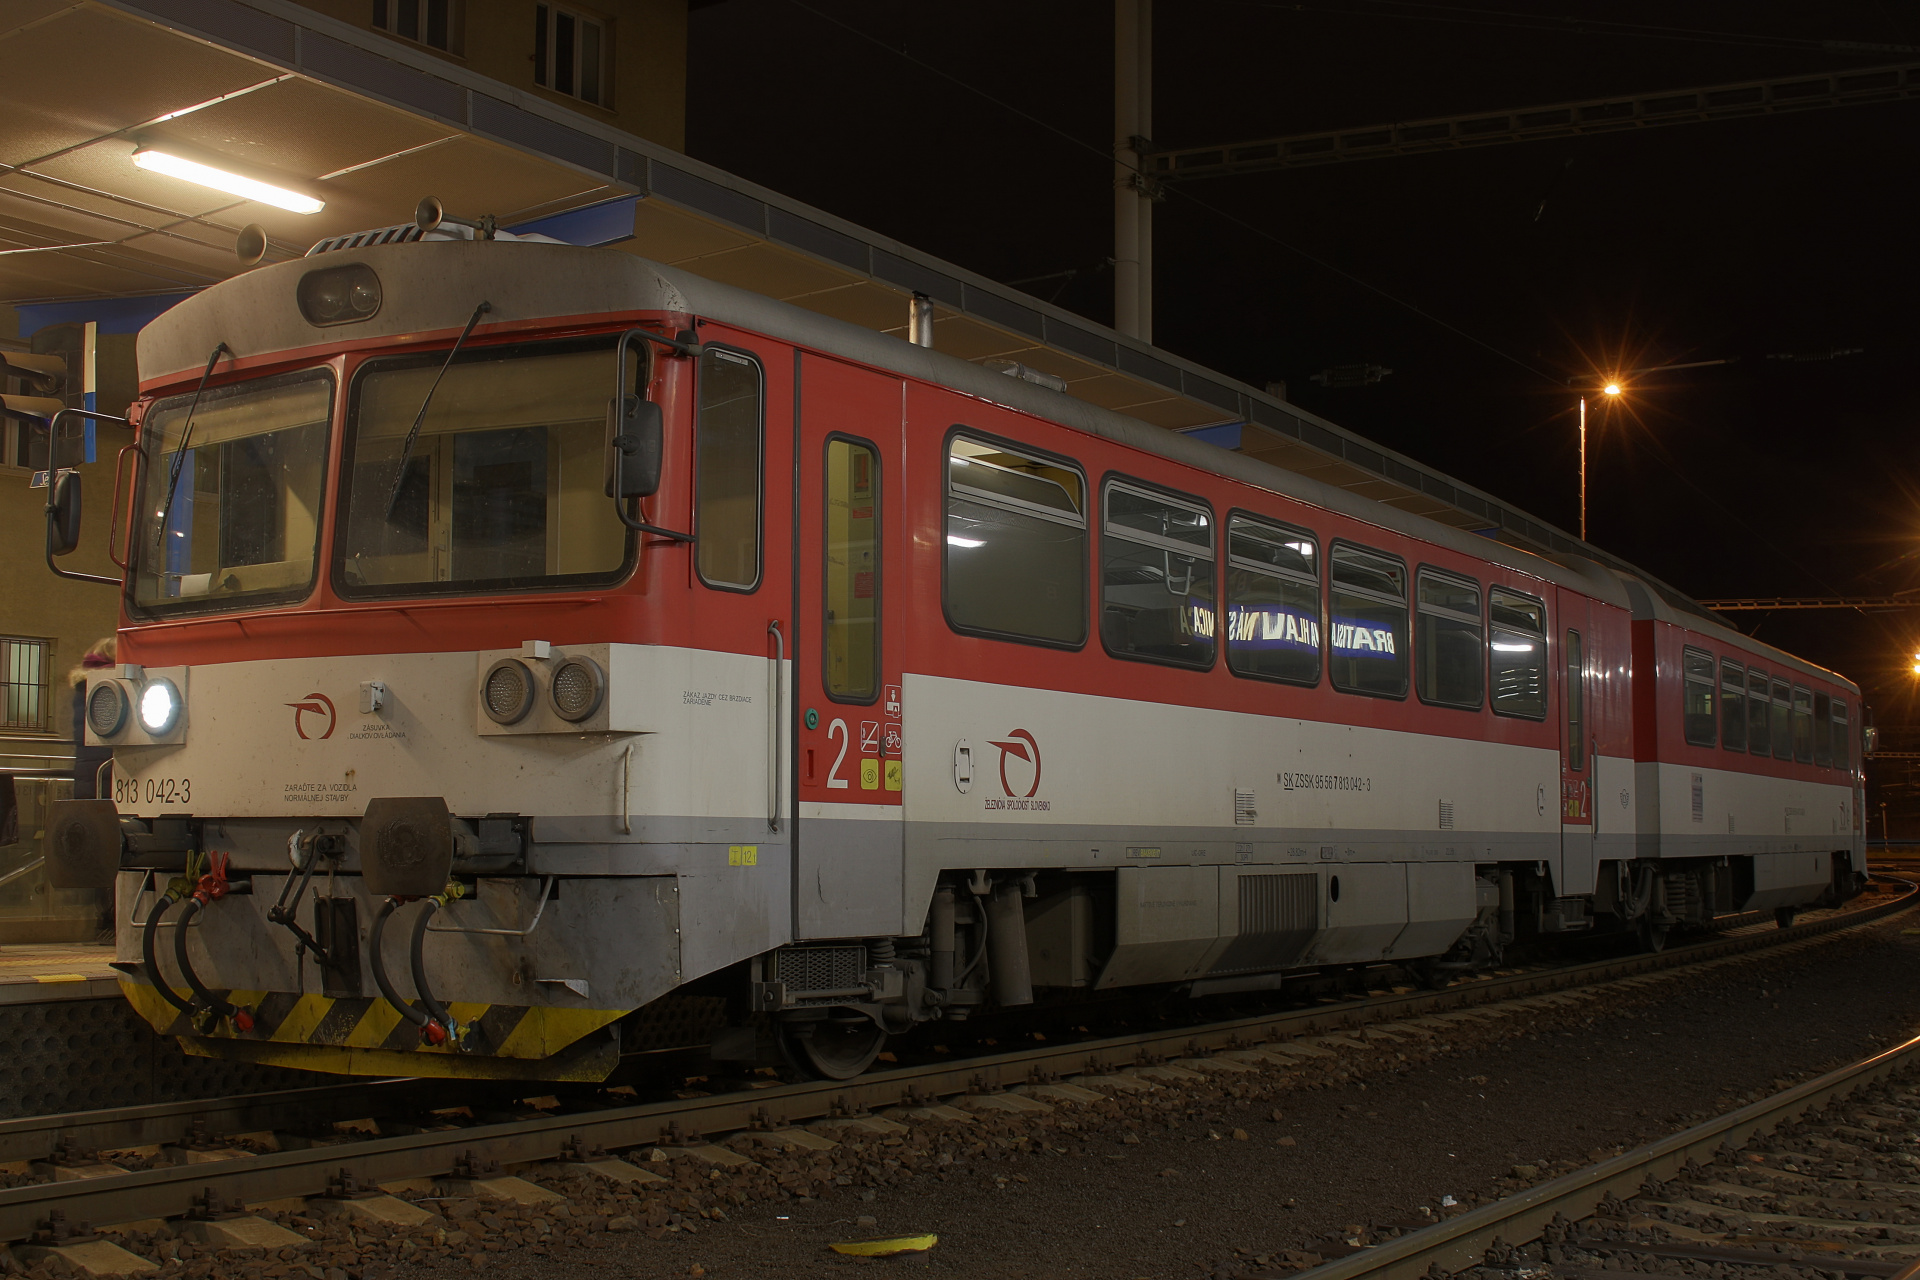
[(220, 180), (159, 706)]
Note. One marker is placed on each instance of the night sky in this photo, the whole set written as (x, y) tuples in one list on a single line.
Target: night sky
[(1747, 238)]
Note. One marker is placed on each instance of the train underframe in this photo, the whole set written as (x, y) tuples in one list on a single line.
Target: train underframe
[(377, 985)]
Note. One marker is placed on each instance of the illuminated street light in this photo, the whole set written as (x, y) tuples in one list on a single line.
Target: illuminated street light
[(206, 175), (1612, 388)]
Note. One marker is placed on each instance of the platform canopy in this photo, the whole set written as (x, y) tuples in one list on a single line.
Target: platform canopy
[(371, 125)]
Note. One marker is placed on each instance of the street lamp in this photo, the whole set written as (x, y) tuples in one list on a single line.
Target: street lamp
[(1610, 389)]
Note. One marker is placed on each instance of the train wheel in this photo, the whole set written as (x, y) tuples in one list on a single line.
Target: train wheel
[(1652, 936), (833, 1049)]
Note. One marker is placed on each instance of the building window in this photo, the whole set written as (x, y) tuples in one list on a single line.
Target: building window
[(569, 53), (23, 684), (438, 24)]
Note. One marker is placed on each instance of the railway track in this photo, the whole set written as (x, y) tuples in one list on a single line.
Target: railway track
[(207, 1159), (1820, 1179)]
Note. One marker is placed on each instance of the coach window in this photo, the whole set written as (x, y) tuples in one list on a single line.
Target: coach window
[(1696, 674), (1842, 744), (1733, 705), (1758, 741), (1273, 601), (852, 572), (1802, 724), (1517, 654), (1156, 577), (1448, 653), (727, 463), (1782, 719), (1823, 730), (1367, 648), (1016, 553)]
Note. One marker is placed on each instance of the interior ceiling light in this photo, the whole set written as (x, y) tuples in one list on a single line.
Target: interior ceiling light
[(176, 166)]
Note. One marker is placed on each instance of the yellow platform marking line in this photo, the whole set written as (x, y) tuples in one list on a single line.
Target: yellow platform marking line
[(59, 977)]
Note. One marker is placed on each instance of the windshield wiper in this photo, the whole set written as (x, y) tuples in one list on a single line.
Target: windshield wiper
[(413, 433), (186, 437)]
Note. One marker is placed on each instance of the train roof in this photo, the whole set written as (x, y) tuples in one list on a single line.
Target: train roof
[(433, 285)]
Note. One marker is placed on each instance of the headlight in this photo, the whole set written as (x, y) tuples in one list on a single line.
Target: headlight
[(107, 709), (506, 691), (579, 687), (159, 706)]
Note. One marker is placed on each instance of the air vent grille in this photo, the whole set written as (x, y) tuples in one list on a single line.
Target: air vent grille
[(1244, 813), (405, 233)]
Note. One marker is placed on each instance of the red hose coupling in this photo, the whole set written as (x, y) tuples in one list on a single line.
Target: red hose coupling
[(243, 1020), (213, 885), (433, 1033)]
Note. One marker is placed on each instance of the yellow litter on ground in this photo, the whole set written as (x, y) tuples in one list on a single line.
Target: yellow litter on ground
[(885, 1248)]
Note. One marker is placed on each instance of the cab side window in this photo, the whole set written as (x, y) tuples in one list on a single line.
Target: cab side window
[(726, 470)]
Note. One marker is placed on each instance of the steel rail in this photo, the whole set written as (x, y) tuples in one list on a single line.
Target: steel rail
[(170, 1191), (1462, 1242), (164, 1123)]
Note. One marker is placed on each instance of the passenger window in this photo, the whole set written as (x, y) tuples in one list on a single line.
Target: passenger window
[(852, 572), (1757, 700), (1156, 578), (1842, 744), (1782, 717), (1368, 649), (1273, 602), (1696, 673), (1823, 730), (1733, 705), (1016, 551), (1803, 724), (1576, 705), (1517, 653), (727, 464), (1448, 655)]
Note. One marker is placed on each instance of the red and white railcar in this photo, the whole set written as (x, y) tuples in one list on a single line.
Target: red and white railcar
[(897, 688)]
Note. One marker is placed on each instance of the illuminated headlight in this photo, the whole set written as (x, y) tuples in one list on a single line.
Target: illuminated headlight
[(159, 706), (107, 709), (506, 691), (579, 687)]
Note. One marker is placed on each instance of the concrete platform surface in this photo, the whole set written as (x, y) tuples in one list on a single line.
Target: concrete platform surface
[(35, 973)]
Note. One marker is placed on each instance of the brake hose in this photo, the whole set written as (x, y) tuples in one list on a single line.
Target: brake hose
[(442, 1020), (218, 1006), (432, 1030), (150, 951)]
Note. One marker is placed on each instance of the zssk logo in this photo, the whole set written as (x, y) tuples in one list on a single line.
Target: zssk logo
[(1025, 752), (314, 704)]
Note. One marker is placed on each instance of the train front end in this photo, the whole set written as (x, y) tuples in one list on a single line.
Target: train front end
[(423, 761)]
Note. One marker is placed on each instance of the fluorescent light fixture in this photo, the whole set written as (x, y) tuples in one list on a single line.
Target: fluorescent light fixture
[(175, 166), (1512, 648), (955, 540)]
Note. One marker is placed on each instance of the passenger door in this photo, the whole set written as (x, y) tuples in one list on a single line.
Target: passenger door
[(1577, 738), (848, 865)]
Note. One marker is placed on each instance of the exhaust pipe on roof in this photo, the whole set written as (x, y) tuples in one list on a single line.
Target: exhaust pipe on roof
[(920, 320)]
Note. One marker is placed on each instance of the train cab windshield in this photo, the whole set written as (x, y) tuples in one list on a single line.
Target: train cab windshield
[(230, 511), (500, 487)]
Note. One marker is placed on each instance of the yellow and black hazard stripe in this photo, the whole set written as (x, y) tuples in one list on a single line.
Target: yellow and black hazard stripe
[(367, 1035)]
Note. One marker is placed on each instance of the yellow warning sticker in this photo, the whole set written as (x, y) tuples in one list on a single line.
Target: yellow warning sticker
[(743, 855), (869, 775), (893, 775)]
